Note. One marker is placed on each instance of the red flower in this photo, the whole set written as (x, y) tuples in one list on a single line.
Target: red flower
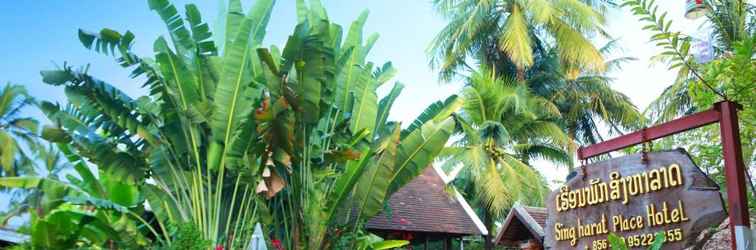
[(219, 247), (277, 244)]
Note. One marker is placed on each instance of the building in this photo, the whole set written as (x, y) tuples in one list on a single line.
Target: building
[(10, 237), (424, 211), (523, 228)]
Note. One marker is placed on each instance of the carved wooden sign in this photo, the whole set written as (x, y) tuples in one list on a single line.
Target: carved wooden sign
[(634, 199)]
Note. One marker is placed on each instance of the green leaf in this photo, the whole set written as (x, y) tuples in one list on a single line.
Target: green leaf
[(121, 192), (106, 41), (301, 11), (27, 124), (371, 191), (20, 182), (268, 60), (389, 244), (685, 47), (178, 75), (418, 149), (179, 34), (658, 241), (354, 35), (107, 204), (364, 110), (11, 95), (54, 134), (384, 73), (234, 95), (200, 31), (109, 42), (234, 18), (260, 15), (516, 41), (436, 111), (56, 77), (616, 242), (8, 151), (90, 183), (308, 52), (166, 210), (353, 53), (345, 184), (385, 105)]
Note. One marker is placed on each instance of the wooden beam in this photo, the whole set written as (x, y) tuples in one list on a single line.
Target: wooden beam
[(648, 134)]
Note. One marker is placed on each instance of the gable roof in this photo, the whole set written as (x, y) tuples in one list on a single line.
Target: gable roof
[(425, 206), (522, 223)]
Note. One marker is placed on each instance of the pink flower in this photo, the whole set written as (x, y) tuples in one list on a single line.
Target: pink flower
[(219, 247), (403, 221)]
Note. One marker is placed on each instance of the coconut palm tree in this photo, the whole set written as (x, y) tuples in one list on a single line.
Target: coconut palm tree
[(587, 102), (16, 131), (508, 34), (502, 127), (47, 162)]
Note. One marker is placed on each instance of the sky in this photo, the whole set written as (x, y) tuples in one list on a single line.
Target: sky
[(39, 35)]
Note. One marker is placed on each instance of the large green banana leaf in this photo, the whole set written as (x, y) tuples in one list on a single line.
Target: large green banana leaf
[(371, 191), (385, 105), (437, 110), (235, 93), (417, 151), (365, 108)]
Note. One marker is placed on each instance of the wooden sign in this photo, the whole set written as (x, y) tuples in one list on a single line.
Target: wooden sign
[(634, 199)]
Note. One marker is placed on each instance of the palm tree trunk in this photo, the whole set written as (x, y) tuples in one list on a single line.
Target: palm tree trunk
[(520, 75), (488, 222)]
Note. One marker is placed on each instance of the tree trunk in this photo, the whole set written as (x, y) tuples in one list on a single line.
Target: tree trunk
[(488, 221), (520, 74)]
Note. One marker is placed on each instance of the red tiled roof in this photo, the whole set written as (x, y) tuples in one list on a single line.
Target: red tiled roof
[(522, 223), (423, 205)]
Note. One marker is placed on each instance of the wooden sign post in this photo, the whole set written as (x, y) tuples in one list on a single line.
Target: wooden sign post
[(725, 113), (635, 197)]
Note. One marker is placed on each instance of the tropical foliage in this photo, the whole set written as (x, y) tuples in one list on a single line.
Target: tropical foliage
[(561, 97), (728, 73), (583, 94), (231, 134), (45, 161), (84, 210), (732, 24), (586, 102), (15, 130), (510, 34), (501, 128)]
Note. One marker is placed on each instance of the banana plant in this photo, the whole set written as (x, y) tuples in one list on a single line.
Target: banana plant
[(83, 210), (233, 133), (192, 136), (322, 93)]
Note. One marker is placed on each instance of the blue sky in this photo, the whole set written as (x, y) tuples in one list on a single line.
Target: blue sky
[(39, 35), (46, 36)]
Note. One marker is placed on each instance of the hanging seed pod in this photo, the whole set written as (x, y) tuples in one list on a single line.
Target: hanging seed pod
[(261, 187), (266, 172)]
